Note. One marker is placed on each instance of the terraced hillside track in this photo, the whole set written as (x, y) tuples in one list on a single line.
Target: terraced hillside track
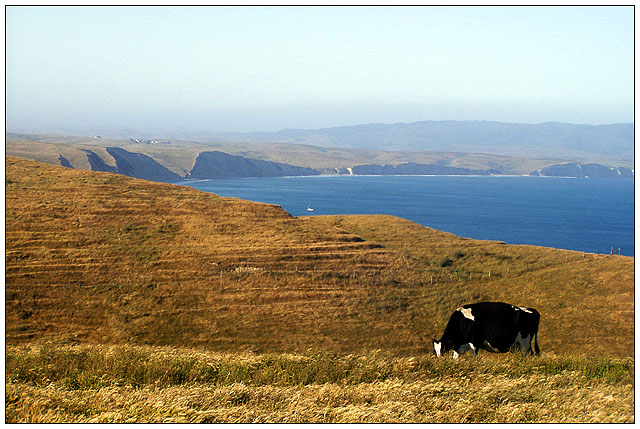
[(102, 258)]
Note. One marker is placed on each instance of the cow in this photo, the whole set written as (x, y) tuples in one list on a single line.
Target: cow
[(492, 326)]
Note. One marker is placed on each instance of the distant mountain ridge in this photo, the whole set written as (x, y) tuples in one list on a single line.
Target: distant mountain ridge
[(549, 139), (171, 161), (611, 144)]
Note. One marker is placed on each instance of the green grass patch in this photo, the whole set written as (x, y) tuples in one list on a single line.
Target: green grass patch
[(93, 367)]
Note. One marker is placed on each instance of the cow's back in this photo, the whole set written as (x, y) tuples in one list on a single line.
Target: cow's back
[(499, 323)]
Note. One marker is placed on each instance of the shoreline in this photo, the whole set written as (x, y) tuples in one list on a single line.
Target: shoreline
[(399, 175)]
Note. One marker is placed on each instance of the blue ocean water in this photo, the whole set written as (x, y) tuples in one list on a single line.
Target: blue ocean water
[(591, 215)]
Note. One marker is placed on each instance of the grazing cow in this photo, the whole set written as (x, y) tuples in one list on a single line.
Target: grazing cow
[(493, 326)]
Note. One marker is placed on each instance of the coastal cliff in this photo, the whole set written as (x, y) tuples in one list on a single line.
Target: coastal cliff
[(166, 161), (220, 165), (140, 166), (412, 168), (573, 169)]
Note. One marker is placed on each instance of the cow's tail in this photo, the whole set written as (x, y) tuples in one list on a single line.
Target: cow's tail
[(535, 344)]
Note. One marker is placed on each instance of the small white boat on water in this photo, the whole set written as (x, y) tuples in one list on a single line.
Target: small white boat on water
[(309, 209)]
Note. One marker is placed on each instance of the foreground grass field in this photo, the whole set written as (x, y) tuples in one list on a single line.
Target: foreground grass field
[(110, 279), (149, 384)]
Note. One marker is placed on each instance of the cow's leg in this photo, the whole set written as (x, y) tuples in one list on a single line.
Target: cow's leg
[(477, 343), (529, 351), (524, 343), (461, 349)]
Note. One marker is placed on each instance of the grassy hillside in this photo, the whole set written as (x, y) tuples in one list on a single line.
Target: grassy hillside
[(178, 158), (129, 300), (103, 258)]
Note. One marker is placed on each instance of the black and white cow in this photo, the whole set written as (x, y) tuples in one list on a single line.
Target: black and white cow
[(492, 326)]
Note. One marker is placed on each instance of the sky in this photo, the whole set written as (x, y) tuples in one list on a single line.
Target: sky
[(240, 69)]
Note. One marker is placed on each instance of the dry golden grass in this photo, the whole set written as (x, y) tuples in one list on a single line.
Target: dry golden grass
[(586, 300), (486, 399), (146, 384), (129, 300), (102, 258)]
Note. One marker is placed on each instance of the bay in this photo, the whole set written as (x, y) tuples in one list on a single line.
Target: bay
[(591, 215)]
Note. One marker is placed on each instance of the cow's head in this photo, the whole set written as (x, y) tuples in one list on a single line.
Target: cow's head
[(437, 347)]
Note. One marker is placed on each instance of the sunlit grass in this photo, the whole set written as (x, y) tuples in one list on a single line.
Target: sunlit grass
[(102, 258), (52, 383), (163, 275)]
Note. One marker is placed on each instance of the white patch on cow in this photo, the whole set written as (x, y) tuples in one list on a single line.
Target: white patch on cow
[(437, 347), (455, 354), (526, 310), (524, 343), (466, 312), (473, 349)]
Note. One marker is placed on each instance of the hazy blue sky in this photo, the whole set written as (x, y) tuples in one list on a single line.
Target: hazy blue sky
[(249, 69)]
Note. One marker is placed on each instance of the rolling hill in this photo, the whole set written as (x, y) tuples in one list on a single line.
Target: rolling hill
[(128, 300), (94, 257), (549, 139)]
